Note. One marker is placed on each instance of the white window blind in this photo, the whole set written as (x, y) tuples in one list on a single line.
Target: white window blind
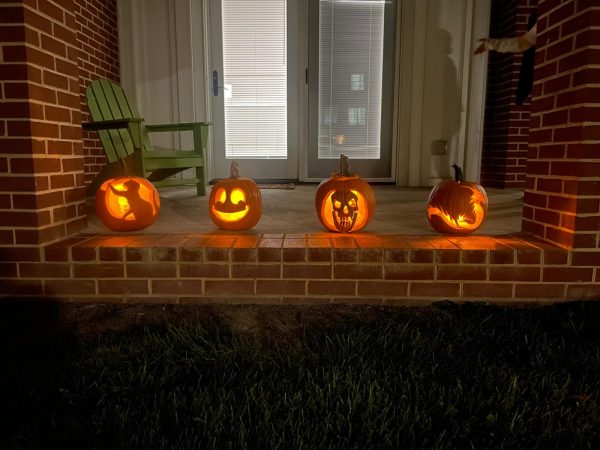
[(350, 77), (255, 78)]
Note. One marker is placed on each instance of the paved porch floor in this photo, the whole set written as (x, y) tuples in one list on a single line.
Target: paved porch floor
[(399, 211)]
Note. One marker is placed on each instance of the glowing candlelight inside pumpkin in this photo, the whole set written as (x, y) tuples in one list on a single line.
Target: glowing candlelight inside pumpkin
[(344, 201), (127, 203), (235, 203), (457, 206)]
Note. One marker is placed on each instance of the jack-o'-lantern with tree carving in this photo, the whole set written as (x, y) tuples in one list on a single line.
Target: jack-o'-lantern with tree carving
[(235, 203), (457, 206), (344, 202), (127, 203)]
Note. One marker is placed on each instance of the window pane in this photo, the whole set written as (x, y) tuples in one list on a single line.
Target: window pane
[(255, 78), (350, 77)]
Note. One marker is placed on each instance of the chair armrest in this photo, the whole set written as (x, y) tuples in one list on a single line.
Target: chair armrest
[(176, 126), (110, 124), (133, 124), (199, 129)]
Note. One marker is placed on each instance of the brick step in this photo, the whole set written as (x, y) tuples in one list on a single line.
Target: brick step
[(299, 268)]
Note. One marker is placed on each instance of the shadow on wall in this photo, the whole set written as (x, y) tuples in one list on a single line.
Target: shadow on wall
[(444, 151)]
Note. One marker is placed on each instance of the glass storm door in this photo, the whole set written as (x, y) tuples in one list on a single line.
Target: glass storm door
[(254, 47), (351, 86)]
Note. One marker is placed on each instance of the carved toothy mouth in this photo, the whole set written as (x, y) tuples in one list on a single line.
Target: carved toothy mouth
[(344, 223)]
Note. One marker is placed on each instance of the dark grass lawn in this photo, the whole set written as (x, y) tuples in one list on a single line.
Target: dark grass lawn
[(446, 376)]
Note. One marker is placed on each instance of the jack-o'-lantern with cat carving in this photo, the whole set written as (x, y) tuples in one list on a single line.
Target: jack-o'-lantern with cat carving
[(235, 203), (344, 202), (127, 203)]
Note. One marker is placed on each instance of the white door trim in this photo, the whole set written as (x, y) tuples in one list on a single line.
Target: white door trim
[(182, 57), (303, 91), (477, 82), (413, 31), (202, 75), (472, 77)]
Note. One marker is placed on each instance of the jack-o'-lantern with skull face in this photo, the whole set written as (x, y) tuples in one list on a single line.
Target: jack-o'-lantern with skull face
[(235, 203), (344, 201)]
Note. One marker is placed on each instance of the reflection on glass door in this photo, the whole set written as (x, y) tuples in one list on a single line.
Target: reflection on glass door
[(351, 70)]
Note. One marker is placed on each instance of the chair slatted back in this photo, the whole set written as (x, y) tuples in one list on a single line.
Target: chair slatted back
[(107, 101)]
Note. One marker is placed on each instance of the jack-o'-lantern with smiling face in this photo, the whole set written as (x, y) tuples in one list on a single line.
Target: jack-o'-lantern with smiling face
[(235, 203)]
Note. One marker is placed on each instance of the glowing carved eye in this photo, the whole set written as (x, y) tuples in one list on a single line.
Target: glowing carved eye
[(237, 196), (337, 204), (352, 203), (221, 196)]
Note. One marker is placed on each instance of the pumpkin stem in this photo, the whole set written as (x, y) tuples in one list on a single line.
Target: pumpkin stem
[(234, 173), (458, 173), (344, 166)]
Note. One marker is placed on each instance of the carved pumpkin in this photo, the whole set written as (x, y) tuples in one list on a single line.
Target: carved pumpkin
[(127, 203), (457, 206), (235, 203), (344, 202)]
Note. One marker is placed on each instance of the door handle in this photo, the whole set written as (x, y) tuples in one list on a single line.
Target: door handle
[(215, 83)]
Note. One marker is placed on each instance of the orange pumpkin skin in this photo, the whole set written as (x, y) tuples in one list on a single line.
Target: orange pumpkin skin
[(127, 203), (457, 206), (235, 203), (344, 202)]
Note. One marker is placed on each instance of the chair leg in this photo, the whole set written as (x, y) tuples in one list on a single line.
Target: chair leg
[(200, 188)]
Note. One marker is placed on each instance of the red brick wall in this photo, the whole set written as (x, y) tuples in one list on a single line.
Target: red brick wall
[(41, 156), (315, 268), (506, 128), (98, 42), (562, 196)]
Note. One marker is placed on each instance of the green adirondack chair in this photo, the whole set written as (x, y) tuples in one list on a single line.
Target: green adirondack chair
[(124, 137)]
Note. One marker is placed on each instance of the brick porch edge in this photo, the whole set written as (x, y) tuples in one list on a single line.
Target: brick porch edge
[(299, 268)]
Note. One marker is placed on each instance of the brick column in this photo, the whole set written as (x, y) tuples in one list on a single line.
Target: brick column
[(562, 196), (42, 194), (98, 43), (506, 124)]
